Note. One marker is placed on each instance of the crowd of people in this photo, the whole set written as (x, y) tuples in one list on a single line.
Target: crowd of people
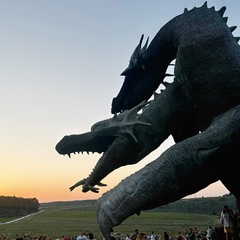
[(136, 235), (229, 222), (188, 234)]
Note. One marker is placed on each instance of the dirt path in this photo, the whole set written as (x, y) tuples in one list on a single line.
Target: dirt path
[(21, 218)]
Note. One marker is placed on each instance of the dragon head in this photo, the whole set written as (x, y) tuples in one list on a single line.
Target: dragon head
[(143, 76), (103, 133), (107, 137)]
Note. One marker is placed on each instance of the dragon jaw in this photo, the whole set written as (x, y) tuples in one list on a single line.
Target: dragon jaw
[(101, 137), (93, 142)]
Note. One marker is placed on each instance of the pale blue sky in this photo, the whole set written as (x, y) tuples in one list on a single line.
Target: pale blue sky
[(60, 66)]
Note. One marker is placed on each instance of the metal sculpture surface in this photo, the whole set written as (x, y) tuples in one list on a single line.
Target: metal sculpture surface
[(200, 109)]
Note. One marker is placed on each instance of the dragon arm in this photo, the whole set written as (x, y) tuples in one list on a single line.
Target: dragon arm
[(128, 143), (175, 173)]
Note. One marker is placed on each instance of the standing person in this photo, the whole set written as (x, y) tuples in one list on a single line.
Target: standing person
[(153, 236), (227, 222), (179, 236), (209, 233), (68, 237), (82, 236), (195, 232), (127, 237), (142, 236), (134, 236), (166, 236), (90, 236), (238, 222), (190, 234)]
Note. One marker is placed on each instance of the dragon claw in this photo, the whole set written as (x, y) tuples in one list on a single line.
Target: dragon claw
[(79, 183), (101, 184), (87, 188)]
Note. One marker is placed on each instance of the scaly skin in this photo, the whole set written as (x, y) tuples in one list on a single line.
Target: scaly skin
[(183, 169), (200, 109)]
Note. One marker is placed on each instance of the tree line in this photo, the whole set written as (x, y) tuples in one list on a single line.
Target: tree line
[(17, 206)]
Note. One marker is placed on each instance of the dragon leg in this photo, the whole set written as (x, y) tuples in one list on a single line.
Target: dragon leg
[(174, 174)]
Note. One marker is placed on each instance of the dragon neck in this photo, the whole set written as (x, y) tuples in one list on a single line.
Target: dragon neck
[(190, 28)]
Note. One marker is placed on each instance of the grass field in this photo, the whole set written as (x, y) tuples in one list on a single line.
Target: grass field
[(56, 223)]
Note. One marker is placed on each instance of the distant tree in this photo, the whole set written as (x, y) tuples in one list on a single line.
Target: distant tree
[(11, 206)]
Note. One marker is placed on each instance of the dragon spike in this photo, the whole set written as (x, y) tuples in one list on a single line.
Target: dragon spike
[(136, 52), (204, 5), (225, 19), (232, 28), (222, 11), (185, 10), (213, 8), (237, 38)]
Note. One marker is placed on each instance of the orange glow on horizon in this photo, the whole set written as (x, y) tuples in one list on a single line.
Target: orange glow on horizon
[(64, 194)]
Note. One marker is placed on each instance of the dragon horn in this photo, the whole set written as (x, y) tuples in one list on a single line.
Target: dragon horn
[(145, 46), (136, 55), (137, 51)]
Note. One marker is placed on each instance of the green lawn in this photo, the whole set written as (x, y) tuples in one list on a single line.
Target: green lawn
[(60, 222)]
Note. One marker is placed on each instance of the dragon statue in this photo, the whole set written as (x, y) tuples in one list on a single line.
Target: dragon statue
[(200, 109)]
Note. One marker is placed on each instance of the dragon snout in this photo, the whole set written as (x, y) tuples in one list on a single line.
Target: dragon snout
[(59, 147)]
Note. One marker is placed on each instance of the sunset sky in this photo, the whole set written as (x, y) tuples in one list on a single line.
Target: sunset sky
[(60, 68)]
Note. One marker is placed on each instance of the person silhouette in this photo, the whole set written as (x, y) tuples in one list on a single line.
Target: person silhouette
[(227, 222)]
